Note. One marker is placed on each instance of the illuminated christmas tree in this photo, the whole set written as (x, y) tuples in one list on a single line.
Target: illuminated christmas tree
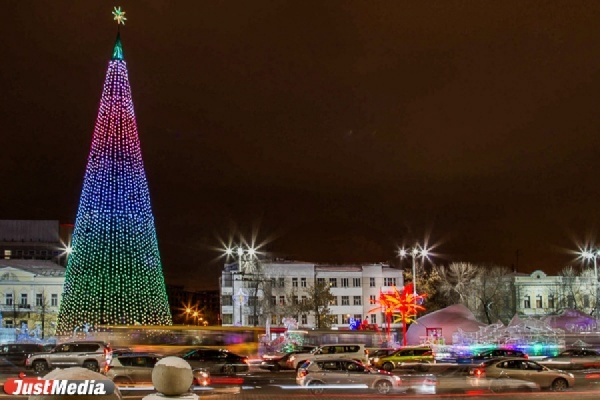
[(114, 273)]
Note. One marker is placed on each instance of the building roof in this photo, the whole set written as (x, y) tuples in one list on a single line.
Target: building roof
[(39, 267), (29, 231)]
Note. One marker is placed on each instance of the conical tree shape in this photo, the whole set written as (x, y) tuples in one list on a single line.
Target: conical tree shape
[(114, 273)]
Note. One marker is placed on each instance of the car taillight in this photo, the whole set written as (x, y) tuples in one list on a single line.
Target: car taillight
[(302, 373), (525, 356), (245, 360), (478, 373), (107, 368)]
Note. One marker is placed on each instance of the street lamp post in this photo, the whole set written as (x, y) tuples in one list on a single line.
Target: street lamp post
[(594, 254), (241, 251), (417, 251)]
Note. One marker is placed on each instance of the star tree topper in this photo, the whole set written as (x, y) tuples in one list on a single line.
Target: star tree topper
[(119, 16)]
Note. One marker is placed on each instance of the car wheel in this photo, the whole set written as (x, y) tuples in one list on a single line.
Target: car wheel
[(423, 367), (316, 390), (388, 366), (228, 369), (559, 385), (40, 366), (383, 387), (91, 365)]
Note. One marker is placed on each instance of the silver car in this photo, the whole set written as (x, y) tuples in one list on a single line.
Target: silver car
[(343, 373), (501, 373)]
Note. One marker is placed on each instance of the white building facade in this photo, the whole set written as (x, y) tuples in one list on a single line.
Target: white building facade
[(248, 301), (30, 295), (538, 294)]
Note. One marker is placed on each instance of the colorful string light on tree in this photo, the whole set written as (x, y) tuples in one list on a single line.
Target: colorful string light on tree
[(114, 273)]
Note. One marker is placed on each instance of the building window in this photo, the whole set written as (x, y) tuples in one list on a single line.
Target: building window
[(281, 282), (389, 281), (344, 282), (8, 323), (252, 320), (358, 317), (227, 300), (7, 254), (571, 301), (345, 300), (304, 319), (538, 301), (373, 318), (273, 300), (586, 300), (304, 299), (9, 299), (320, 281), (527, 302), (334, 301), (372, 299), (371, 282), (23, 299), (294, 282), (54, 300), (227, 319), (356, 282), (551, 301), (357, 300), (295, 300), (282, 300), (252, 301), (274, 319), (303, 282), (333, 282), (39, 299)]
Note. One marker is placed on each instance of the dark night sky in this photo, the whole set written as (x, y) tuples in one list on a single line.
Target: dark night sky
[(337, 129)]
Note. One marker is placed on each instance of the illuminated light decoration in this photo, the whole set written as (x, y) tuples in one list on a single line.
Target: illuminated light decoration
[(119, 16), (403, 304), (114, 273)]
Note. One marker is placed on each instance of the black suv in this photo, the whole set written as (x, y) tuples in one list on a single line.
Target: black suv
[(91, 355), (17, 353)]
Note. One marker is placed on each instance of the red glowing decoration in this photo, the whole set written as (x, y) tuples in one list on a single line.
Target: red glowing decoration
[(405, 305)]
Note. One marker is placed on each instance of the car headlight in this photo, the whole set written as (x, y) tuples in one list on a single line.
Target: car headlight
[(571, 375)]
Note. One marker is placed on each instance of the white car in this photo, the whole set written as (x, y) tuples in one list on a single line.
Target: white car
[(345, 374), (356, 352)]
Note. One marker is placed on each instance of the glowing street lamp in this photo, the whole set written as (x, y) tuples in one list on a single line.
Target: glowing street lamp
[(413, 253), (593, 255), (241, 252)]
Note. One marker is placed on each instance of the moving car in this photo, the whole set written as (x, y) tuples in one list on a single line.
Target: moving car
[(489, 354), (216, 361), (380, 352), (413, 357), (495, 374), (356, 352), (133, 368), (574, 359), (339, 373), (87, 354), (17, 353)]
